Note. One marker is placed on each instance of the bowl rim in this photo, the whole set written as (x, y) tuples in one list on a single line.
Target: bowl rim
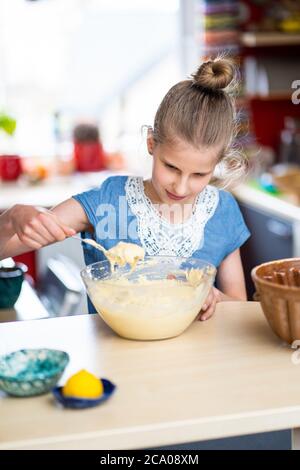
[(262, 281), (147, 257), (11, 273), (46, 374)]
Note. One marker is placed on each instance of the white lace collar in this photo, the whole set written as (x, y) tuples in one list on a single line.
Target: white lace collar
[(157, 235)]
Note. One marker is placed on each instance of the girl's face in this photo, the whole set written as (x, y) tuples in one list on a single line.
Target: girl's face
[(180, 171)]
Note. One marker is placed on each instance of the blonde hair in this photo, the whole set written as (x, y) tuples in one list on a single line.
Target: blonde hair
[(201, 111)]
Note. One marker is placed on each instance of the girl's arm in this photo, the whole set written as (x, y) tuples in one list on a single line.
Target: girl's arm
[(26, 228), (231, 277), (231, 282)]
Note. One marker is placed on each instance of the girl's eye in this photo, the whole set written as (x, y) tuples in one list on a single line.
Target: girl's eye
[(200, 175), (170, 166)]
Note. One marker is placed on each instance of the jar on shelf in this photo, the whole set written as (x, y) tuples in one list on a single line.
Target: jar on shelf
[(88, 150), (10, 167)]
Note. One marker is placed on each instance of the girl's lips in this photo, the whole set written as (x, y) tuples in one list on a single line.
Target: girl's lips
[(176, 198)]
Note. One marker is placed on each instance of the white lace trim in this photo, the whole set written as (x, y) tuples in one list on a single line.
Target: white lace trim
[(157, 235)]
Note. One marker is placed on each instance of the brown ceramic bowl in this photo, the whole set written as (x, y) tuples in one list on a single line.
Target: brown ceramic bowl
[(278, 288)]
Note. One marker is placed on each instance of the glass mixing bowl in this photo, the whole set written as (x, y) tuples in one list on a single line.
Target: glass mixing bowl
[(155, 301)]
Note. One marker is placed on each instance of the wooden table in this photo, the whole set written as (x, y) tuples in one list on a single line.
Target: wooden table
[(224, 377)]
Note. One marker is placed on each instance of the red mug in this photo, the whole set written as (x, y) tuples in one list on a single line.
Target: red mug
[(10, 167), (89, 156)]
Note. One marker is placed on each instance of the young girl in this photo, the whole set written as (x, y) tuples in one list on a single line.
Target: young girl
[(176, 212)]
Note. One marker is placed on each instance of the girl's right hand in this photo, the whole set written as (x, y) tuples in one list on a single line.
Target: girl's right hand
[(37, 227)]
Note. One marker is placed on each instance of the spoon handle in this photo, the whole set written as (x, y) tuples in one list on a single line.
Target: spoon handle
[(77, 238), (91, 242)]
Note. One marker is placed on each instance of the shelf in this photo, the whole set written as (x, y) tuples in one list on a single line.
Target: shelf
[(250, 39), (272, 96)]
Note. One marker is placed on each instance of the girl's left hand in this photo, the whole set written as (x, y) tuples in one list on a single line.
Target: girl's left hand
[(209, 305)]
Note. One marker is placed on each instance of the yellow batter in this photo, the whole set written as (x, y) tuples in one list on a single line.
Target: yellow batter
[(120, 254), (124, 253)]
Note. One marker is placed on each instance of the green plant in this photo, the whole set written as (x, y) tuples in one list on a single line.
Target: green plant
[(7, 123)]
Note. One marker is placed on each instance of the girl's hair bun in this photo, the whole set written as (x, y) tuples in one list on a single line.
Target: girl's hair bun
[(214, 74)]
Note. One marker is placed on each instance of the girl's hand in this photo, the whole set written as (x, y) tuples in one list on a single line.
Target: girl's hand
[(37, 227), (209, 305)]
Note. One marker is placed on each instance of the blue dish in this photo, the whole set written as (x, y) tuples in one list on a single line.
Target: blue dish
[(29, 372), (79, 403)]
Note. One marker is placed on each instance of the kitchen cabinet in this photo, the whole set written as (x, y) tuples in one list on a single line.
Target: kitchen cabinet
[(268, 61), (271, 238), (266, 39), (274, 224), (229, 376), (268, 90)]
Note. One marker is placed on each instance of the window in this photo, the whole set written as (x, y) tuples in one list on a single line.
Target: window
[(107, 60)]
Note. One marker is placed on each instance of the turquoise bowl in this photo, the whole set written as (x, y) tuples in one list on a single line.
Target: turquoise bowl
[(29, 372)]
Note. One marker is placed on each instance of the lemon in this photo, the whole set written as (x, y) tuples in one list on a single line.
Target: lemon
[(83, 384)]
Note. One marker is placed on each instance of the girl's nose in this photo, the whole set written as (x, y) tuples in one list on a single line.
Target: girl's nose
[(181, 186)]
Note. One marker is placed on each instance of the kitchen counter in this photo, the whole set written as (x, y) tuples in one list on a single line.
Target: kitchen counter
[(27, 307), (55, 190), (272, 204), (52, 191), (224, 377)]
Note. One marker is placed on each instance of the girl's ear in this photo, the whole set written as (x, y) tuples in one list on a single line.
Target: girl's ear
[(150, 141)]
